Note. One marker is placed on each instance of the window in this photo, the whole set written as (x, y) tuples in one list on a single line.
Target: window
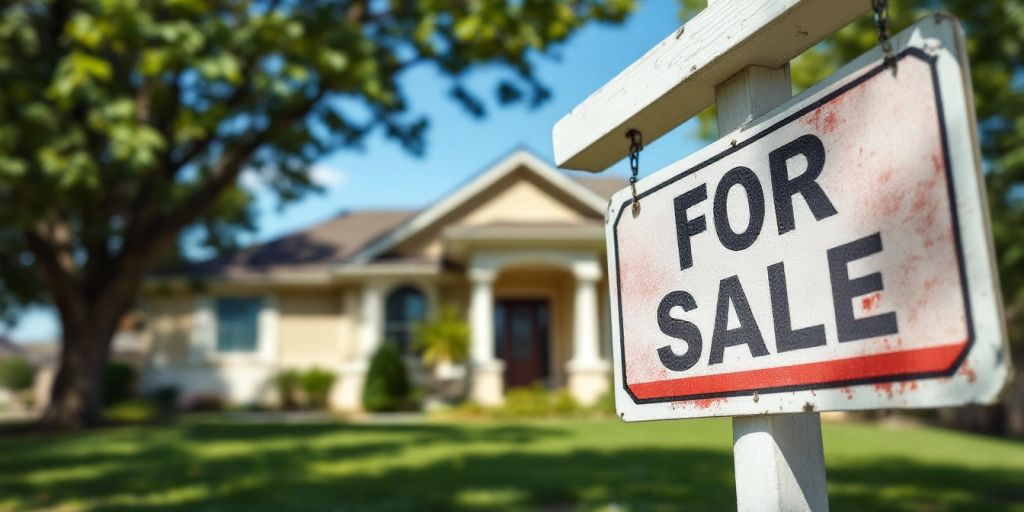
[(406, 308), (238, 324)]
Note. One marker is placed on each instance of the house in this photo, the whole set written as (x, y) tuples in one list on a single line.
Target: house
[(519, 249)]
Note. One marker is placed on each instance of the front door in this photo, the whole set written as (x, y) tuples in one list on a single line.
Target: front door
[(521, 339)]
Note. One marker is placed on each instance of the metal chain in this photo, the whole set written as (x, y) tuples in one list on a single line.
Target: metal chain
[(881, 8), (636, 145)]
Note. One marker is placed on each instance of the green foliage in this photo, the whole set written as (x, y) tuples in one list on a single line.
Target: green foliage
[(444, 339), (126, 124), (537, 402), (387, 382), (132, 411), (995, 46), (287, 384), (16, 374), (119, 381), (316, 386)]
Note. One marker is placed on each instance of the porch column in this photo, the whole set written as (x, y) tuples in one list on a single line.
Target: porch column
[(487, 385), (371, 324), (368, 320), (588, 374)]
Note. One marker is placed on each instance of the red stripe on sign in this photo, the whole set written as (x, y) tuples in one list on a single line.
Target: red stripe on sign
[(924, 360)]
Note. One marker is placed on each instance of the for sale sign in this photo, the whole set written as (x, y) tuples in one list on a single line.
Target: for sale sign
[(833, 255)]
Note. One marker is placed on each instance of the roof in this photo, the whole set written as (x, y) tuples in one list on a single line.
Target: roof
[(318, 247), (9, 349), (364, 236), (602, 186)]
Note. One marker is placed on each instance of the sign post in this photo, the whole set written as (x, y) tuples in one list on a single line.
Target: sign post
[(830, 252), (779, 459)]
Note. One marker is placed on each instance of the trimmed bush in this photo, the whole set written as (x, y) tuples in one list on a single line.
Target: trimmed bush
[(16, 374), (537, 402), (387, 383), (316, 385), (118, 382), (287, 385)]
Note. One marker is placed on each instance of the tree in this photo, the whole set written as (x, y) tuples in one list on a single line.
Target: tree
[(124, 123), (995, 34)]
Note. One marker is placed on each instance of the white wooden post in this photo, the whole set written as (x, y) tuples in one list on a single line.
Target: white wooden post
[(779, 460)]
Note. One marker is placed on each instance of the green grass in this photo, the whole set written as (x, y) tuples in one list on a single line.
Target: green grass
[(546, 465)]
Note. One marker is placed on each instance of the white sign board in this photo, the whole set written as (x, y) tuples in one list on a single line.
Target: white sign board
[(834, 254)]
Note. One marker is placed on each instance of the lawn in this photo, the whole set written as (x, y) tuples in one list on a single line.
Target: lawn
[(545, 465)]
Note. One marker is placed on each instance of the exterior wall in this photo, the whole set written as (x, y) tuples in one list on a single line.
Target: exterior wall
[(170, 325), (311, 329)]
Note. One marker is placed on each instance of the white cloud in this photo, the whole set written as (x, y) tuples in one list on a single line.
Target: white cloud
[(327, 176), (320, 174)]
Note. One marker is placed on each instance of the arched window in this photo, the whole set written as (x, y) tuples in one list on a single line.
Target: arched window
[(406, 308)]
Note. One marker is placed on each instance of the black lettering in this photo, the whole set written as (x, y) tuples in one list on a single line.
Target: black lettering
[(786, 338), (686, 228), (730, 290), (784, 188), (679, 329), (755, 202), (844, 290)]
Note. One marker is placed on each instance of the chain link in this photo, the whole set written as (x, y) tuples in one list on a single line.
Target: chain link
[(881, 8), (636, 145)]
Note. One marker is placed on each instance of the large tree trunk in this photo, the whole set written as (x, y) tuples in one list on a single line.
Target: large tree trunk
[(76, 399)]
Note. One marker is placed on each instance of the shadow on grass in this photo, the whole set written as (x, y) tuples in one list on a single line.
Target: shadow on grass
[(387, 467)]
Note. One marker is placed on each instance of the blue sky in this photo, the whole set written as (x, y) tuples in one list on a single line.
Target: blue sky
[(458, 146)]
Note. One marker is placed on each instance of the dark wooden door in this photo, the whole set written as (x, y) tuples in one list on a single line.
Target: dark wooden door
[(521, 339)]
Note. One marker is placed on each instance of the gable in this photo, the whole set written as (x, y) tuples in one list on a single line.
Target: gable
[(519, 199), (521, 189)]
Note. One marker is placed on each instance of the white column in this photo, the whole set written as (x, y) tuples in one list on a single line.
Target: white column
[(586, 335), (481, 316), (366, 334), (371, 323), (487, 385), (588, 374), (269, 332)]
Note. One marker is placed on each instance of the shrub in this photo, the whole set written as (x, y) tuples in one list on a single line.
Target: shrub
[(387, 383), (316, 385), (132, 411), (537, 402), (118, 382), (16, 374), (287, 385)]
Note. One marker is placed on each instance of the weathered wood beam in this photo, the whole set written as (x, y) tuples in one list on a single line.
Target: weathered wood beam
[(676, 79)]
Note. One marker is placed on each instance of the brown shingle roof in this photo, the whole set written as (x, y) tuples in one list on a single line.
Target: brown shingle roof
[(315, 248), (333, 241)]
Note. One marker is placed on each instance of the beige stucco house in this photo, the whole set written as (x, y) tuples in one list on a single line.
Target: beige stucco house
[(519, 249)]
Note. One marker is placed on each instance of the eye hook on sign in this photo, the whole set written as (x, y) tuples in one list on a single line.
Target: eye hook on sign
[(636, 145), (881, 8)]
